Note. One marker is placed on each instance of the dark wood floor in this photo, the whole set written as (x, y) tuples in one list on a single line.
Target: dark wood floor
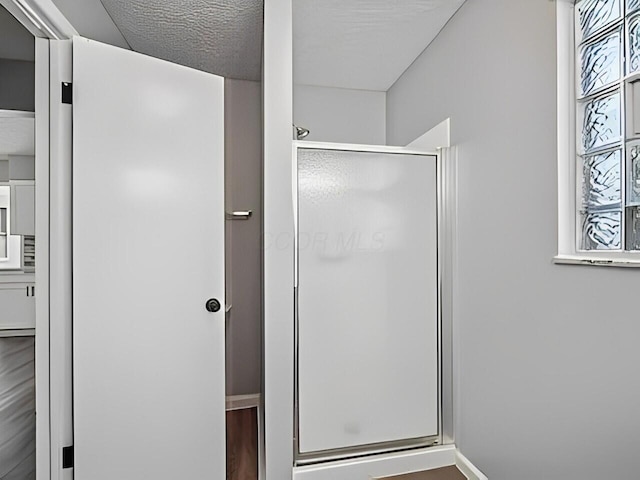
[(242, 444), (445, 473)]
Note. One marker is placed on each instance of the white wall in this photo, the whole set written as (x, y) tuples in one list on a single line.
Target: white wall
[(243, 191), (547, 357), (277, 82), (340, 115)]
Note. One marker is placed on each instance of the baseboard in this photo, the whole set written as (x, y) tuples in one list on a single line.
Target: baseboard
[(376, 466), (237, 402), (468, 468)]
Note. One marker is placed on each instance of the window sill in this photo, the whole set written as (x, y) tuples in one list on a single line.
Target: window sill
[(596, 262)]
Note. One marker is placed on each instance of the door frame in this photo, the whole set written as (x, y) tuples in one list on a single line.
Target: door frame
[(53, 240), (279, 437), (41, 17), (60, 314)]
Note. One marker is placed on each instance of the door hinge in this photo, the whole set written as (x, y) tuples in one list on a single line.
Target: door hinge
[(67, 92), (67, 457)]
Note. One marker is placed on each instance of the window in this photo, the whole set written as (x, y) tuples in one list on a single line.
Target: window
[(599, 131)]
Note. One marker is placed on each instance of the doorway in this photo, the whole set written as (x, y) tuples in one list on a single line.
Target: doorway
[(17, 251)]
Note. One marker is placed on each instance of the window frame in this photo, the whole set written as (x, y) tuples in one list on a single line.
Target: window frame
[(569, 195)]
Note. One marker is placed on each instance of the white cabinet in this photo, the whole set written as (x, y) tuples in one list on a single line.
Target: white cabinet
[(17, 306), (10, 245), (17, 225), (23, 212)]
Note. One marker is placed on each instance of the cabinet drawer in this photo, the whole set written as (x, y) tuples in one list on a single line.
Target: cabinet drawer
[(17, 306)]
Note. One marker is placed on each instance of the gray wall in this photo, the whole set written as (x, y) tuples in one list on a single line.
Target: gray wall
[(340, 115), (16, 43), (243, 191), (17, 68), (17, 85), (547, 356)]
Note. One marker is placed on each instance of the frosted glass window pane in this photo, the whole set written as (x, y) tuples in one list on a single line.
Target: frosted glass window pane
[(601, 184), (17, 409), (634, 177), (633, 228), (595, 14), (367, 298), (600, 122), (632, 5), (600, 63), (633, 61), (601, 231)]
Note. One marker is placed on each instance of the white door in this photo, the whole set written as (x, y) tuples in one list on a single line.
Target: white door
[(148, 230)]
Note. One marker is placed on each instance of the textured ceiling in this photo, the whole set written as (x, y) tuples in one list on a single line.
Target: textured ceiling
[(218, 36), (16, 43), (363, 44)]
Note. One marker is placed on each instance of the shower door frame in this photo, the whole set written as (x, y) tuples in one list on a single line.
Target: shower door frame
[(444, 421)]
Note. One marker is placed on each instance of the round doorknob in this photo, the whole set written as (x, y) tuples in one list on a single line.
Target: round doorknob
[(212, 305)]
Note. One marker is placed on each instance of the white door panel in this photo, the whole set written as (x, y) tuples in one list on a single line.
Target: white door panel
[(367, 299), (148, 251)]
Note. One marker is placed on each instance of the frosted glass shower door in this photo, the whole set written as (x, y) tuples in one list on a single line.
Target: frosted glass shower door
[(367, 299)]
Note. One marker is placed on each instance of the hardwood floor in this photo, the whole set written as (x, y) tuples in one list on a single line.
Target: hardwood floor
[(242, 444), (445, 473)]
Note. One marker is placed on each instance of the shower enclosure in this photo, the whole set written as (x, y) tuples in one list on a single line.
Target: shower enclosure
[(367, 329)]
